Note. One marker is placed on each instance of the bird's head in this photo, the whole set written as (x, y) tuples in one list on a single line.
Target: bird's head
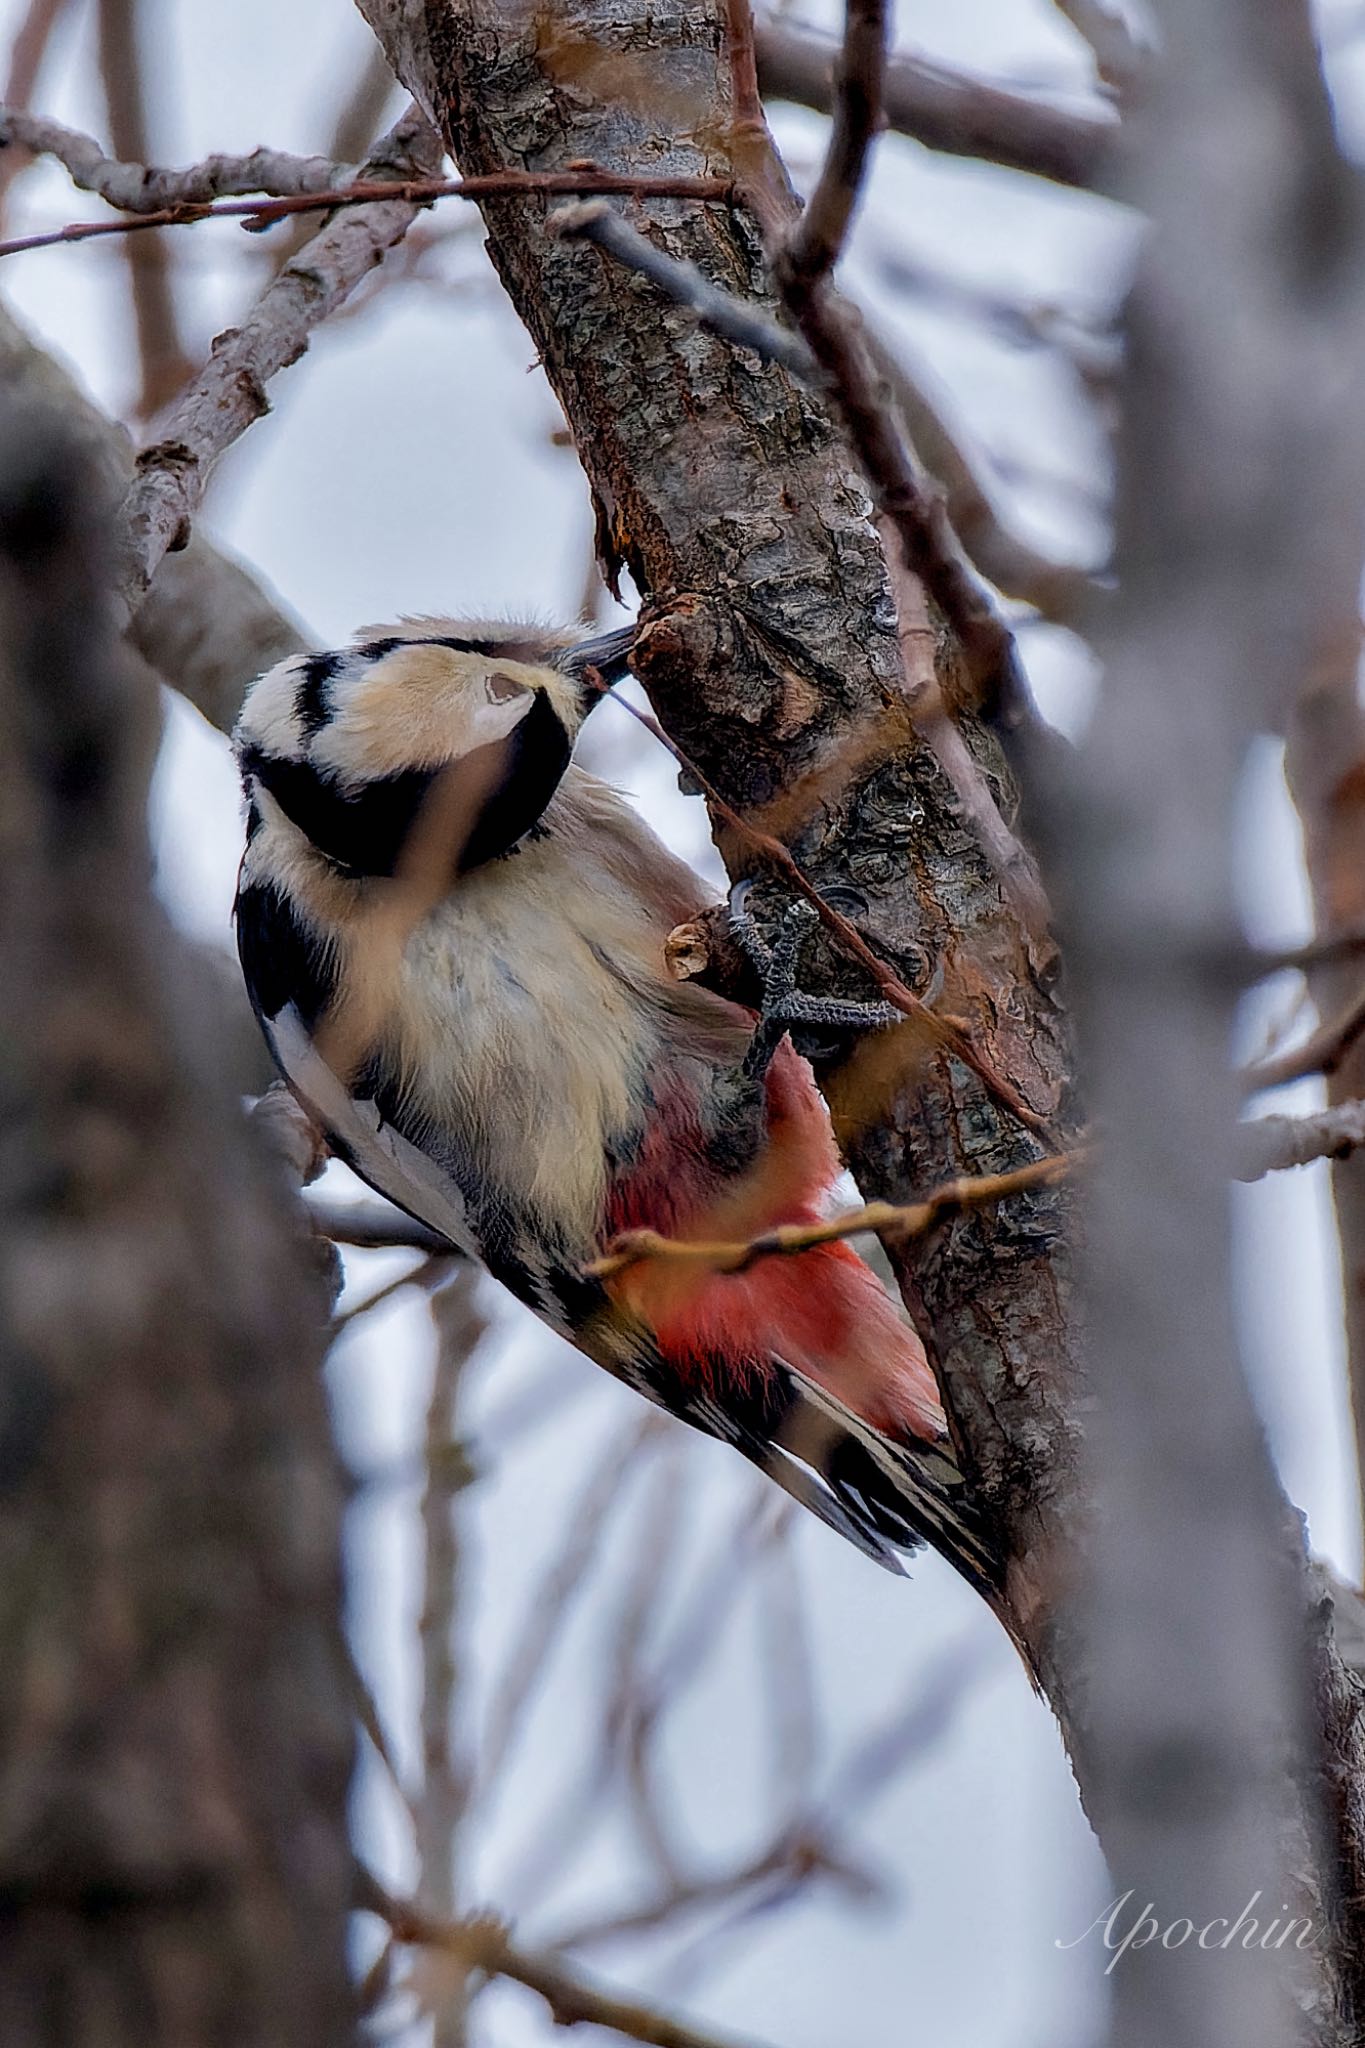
[(351, 745)]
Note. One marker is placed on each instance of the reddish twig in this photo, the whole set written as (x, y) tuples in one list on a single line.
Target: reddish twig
[(262, 213), (888, 1219)]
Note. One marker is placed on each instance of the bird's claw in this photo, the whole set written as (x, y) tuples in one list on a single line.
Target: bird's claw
[(784, 1004)]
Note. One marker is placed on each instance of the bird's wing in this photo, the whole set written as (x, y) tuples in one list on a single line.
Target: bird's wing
[(881, 1496)]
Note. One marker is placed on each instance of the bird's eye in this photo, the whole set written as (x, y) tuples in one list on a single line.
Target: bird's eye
[(502, 688)]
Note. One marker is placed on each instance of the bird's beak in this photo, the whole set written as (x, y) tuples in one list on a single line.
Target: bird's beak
[(608, 653)]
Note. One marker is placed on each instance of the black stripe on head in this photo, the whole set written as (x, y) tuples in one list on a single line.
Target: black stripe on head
[(364, 830), (282, 960), (312, 704), (538, 752)]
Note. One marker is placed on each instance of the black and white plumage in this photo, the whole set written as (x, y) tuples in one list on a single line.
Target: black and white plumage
[(505, 1055)]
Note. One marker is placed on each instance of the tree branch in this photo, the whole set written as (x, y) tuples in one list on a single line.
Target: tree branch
[(1270, 1144), (229, 394), (950, 110), (483, 1946)]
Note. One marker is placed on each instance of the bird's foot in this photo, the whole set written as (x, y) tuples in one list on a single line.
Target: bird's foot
[(784, 1003)]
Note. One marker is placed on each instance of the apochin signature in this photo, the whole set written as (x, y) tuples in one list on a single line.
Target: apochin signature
[(1244, 1932)]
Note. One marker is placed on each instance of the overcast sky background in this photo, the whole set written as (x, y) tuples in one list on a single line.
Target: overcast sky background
[(408, 465)]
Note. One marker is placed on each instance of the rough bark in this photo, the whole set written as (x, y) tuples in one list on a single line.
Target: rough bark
[(771, 652), (174, 1741)]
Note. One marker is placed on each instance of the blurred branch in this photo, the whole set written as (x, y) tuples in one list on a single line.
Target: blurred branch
[(459, 1329), (1271, 1144), (1325, 770), (164, 362), (373, 1226), (482, 1946), (894, 1221), (949, 110), (27, 52), (1321, 1053), (1059, 591), (550, 1606), (1119, 59), (1226, 1737), (207, 625)]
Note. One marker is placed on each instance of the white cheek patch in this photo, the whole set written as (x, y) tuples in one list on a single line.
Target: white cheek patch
[(419, 708), (498, 710)]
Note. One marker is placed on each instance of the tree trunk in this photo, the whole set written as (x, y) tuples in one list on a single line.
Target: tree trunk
[(175, 1746)]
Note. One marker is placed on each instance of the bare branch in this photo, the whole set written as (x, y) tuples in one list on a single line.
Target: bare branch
[(169, 1532), (815, 246), (950, 110), (1272, 1143), (229, 394), (27, 52), (361, 192), (1321, 1053), (888, 1219), (136, 187), (165, 363), (1221, 1716), (483, 1946)]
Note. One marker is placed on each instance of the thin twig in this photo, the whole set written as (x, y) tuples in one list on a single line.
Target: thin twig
[(947, 1035), (482, 1945), (262, 213), (855, 389), (427, 1274), (1322, 1053), (818, 241), (888, 1219), (459, 1326)]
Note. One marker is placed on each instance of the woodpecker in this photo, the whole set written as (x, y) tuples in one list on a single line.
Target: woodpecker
[(453, 938)]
